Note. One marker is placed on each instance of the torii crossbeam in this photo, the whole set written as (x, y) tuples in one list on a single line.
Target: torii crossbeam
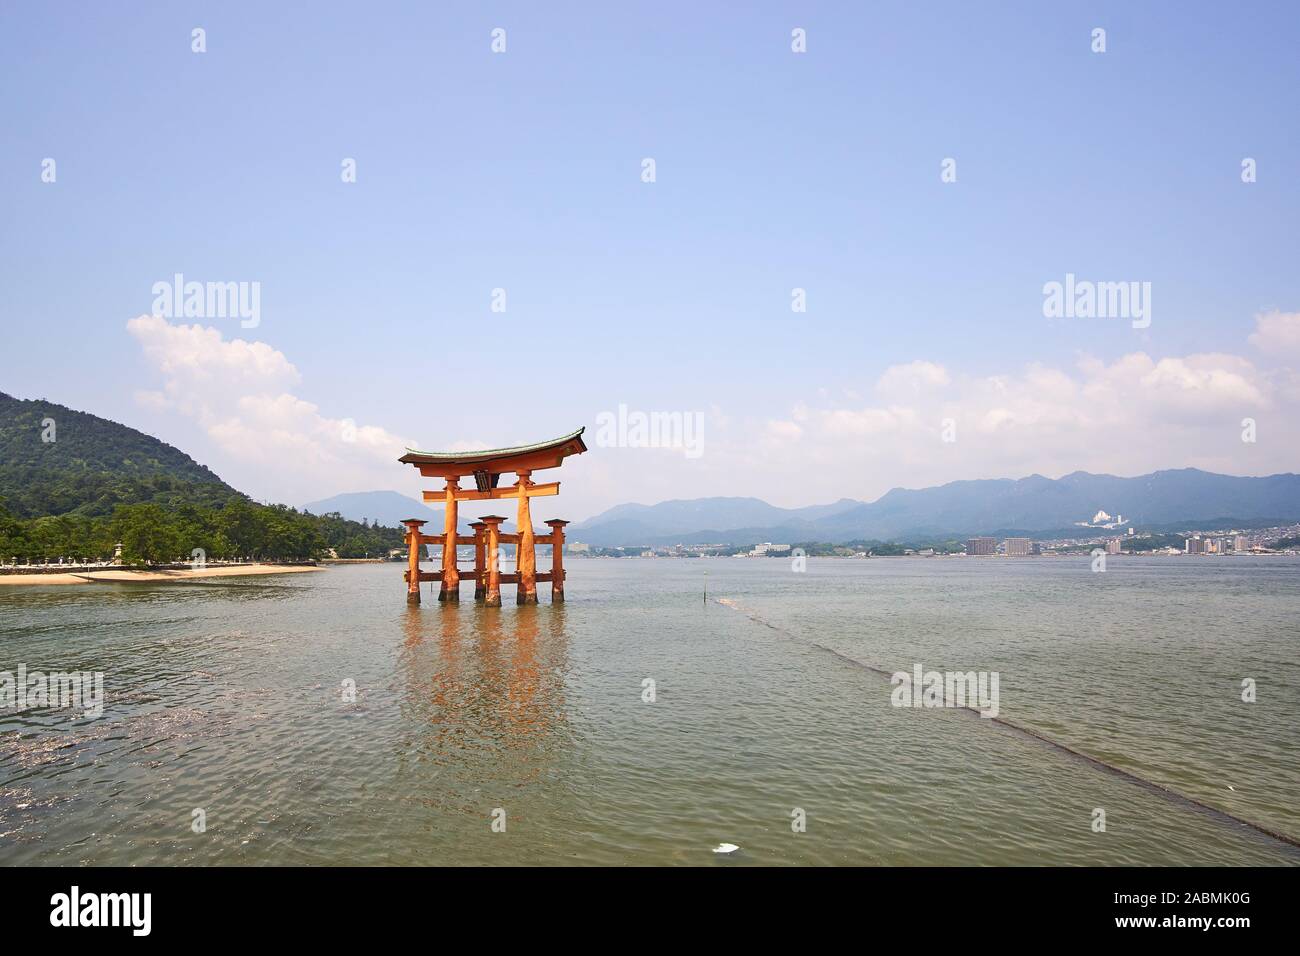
[(487, 467)]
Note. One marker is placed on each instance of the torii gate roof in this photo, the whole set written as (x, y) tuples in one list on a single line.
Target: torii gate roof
[(546, 454)]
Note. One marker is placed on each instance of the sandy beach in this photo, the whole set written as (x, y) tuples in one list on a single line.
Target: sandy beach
[(117, 575)]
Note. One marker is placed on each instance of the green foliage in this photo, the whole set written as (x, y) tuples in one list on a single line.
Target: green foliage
[(99, 483), (152, 534), (91, 465), (147, 533), (1153, 542), (889, 549)]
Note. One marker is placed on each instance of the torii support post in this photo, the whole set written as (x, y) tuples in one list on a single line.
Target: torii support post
[(450, 590), (557, 560), (493, 596), (525, 550), (480, 572), (413, 547)]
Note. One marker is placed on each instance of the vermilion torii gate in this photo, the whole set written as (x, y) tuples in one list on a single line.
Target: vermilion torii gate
[(487, 467)]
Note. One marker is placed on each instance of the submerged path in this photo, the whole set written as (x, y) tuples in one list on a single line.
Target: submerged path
[(1221, 816)]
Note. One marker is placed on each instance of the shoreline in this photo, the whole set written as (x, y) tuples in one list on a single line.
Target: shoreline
[(128, 576)]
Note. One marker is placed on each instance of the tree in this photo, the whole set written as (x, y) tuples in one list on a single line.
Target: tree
[(146, 533)]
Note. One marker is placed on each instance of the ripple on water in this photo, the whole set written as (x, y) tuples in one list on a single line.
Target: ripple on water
[(231, 700)]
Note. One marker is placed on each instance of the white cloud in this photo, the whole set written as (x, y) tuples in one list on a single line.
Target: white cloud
[(912, 379), (1128, 416), (197, 354), (784, 431), (241, 394), (472, 444), (866, 421), (1277, 333)]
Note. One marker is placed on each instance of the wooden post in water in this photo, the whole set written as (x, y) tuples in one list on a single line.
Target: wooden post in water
[(480, 570), (450, 590), (526, 549), (557, 560), (413, 547), (493, 596)]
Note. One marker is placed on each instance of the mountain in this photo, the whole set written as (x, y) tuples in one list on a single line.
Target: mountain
[(388, 508), (54, 461), (634, 523), (957, 509), (77, 486), (1041, 504)]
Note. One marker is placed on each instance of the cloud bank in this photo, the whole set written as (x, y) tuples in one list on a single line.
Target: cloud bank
[(241, 394), (922, 423), (928, 424)]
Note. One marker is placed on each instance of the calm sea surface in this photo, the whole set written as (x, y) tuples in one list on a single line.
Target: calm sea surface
[(227, 696)]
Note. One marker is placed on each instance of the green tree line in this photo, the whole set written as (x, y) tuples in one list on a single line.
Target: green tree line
[(151, 533)]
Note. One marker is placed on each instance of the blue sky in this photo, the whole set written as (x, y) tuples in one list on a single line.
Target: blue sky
[(774, 170)]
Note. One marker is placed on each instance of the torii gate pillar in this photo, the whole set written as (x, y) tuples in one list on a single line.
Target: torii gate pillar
[(413, 546)]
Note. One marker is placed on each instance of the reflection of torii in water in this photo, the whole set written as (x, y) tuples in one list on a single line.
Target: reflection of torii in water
[(506, 688), (487, 468)]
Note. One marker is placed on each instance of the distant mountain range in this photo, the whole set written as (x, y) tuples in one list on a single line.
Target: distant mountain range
[(389, 508), (992, 506), (1033, 505)]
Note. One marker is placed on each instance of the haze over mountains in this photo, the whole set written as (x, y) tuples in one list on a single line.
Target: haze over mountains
[(391, 508), (960, 508), (387, 507), (957, 509)]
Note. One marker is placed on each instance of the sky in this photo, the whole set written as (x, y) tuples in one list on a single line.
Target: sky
[(504, 268)]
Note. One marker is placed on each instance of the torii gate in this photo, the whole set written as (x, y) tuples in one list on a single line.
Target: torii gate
[(487, 467)]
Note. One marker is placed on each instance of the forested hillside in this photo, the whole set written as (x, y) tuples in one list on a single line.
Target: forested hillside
[(54, 460), (73, 485)]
